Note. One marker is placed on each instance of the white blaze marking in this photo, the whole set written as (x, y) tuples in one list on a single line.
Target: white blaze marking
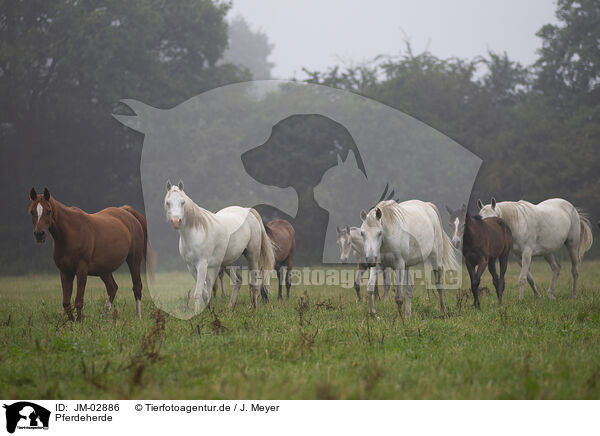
[(456, 223), (40, 210)]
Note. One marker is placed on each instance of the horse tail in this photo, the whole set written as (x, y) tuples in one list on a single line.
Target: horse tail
[(266, 259), (149, 253), (449, 261), (585, 236)]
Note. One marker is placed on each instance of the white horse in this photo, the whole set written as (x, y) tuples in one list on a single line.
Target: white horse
[(350, 243), (209, 241), (540, 230), (411, 233)]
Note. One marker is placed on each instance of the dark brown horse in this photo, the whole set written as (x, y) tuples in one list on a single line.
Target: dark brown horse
[(91, 244), (483, 241), (283, 236)]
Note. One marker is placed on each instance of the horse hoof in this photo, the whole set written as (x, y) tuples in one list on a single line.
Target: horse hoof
[(551, 297)]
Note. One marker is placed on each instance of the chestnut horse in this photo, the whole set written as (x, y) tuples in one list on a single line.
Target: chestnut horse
[(483, 240), (92, 244)]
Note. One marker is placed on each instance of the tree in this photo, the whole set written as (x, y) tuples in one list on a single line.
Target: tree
[(249, 49), (64, 66), (569, 62)]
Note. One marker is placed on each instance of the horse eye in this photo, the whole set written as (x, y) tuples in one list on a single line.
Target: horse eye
[(168, 203), (48, 212)]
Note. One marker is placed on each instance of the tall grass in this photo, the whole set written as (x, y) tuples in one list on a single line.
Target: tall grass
[(320, 344)]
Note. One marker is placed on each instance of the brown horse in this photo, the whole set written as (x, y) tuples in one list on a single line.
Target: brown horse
[(92, 244), (283, 236), (483, 241)]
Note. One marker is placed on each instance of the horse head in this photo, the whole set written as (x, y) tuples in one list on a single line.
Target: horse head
[(457, 224), (42, 216), (371, 231), (174, 204)]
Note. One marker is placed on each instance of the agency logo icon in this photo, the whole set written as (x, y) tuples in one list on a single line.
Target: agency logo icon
[(26, 415), (311, 155)]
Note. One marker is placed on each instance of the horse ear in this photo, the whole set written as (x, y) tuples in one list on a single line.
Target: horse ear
[(338, 230), (348, 229), (169, 185), (493, 203), (46, 194), (32, 194), (464, 208), (180, 185), (479, 204), (363, 215), (378, 213), (449, 210)]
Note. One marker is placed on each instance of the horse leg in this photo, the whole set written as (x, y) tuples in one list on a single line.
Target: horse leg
[(237, 281), (474, 283), (360, 268), (409, 294), (201, 272), (495, 278), (371, 288), (81, 282), (279, 282), (377, 285), (532, 284), (288, 279), (211, 277), (574, 254), (66, 281), (264, 291), (553, 261), (253, 285), (399, 286), (215, 286), (221, 274), (111, 290), (136, 278), (501, 282), (525, 273), (529, 280), (387, 272), (438, 285)]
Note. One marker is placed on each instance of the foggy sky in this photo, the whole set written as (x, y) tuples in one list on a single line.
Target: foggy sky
[(317, 34)]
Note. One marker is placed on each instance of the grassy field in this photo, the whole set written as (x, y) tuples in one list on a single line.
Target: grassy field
[(319, 344)]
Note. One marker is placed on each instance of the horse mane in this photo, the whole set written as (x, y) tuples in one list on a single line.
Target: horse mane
[(511, 210), (391, 212), (194, 215), (474, 216)]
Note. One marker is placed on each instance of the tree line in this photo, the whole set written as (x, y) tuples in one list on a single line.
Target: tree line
[(64, 66)]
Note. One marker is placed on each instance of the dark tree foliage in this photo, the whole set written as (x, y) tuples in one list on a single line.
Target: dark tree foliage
[(64, 66), (537, 129)]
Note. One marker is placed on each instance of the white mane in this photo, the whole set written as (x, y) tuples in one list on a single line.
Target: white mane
[(392, 213), (194, 216), (513, 211)]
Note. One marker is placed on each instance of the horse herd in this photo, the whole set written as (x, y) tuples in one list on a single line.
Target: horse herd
[(394, 236)]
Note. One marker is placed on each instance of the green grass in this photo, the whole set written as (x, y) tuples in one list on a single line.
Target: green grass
[(323, 345)]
